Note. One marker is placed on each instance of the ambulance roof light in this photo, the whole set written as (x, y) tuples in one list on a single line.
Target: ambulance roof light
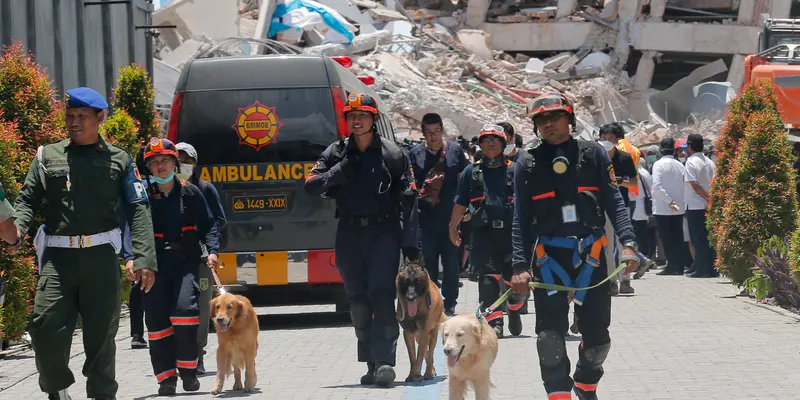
[(344, 61), (367, 80)]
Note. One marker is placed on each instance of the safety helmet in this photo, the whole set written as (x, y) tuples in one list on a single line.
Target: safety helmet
[(551, 102), (360, 102), (492, 130), (158, 146)]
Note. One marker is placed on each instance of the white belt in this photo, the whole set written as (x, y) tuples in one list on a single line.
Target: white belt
[(43, 241)]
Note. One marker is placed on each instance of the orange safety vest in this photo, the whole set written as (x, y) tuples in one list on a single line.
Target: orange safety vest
[(628, 147)]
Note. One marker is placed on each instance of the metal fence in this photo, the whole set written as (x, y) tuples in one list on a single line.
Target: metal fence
[(78, 42)]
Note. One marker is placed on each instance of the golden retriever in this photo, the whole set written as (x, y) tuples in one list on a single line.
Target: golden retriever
[(470, 345), (236, 323), (420, 313)]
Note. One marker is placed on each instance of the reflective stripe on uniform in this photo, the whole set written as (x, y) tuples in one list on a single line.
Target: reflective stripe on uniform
[(166, 374), (184, 320), (161, 334), (586, 387), (559, 396), (493, 316), (187, 364)]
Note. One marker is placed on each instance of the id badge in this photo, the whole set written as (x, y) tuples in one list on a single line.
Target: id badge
[(569, 214)]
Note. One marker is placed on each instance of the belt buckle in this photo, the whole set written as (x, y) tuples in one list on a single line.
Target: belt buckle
[(497, 224), (72, 244)]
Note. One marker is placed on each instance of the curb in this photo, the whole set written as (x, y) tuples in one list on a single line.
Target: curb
[(774, 308)]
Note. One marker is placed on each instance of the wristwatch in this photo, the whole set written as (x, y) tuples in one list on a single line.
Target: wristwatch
[(631, 245)]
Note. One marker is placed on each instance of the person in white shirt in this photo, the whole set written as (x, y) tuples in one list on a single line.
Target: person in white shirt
[(699, 174), (642, 216), (669, 205)]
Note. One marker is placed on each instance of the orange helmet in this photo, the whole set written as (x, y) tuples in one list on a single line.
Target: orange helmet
[(361, 102), (158, 146), (551, 102), (492, 130)]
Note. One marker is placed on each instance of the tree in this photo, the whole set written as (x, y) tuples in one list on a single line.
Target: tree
[(29, 117), (761, 197), (753, 98), (121, 130), (135, 95)]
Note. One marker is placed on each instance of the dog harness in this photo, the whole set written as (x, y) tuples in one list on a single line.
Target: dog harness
[(548, 266)]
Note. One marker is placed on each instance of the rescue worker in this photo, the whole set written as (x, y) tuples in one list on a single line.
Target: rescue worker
[(371, 181), (488, 185), (135, 297), (562, 187), (81, 181), (181, 220), (187, 156)]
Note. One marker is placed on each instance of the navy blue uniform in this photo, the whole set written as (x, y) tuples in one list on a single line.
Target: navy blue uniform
[(491, 233), (541, 196), (135, 298), (435, 219), (181, 221), (370, 192)]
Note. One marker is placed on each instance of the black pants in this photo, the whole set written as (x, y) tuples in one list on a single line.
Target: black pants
[(172, 318), (368, 259), (704, 255), (435, 244), (670, 228), (645, 238), (594, 318), (491, 256), (137, 310)]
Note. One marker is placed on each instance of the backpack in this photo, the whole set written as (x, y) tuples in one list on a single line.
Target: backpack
[(478, 187)]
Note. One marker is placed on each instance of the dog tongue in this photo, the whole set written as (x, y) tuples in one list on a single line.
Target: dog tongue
[(452, 360), (412, 308)]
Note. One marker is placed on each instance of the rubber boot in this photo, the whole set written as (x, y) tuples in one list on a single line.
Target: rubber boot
[(514, 322), (191, 384), (61, 395), (384, 376), (369, 377), (584, 395)]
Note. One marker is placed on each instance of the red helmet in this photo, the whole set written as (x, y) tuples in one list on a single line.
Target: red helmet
[(361, 102), (158, 146), (551, 102), (492, 130)]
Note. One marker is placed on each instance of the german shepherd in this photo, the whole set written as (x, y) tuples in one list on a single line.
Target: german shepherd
[(420, 311)]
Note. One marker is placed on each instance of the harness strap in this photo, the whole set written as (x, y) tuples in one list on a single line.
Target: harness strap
[(548, 266)]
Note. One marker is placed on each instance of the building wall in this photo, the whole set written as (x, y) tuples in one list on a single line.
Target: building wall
[(78, 44)]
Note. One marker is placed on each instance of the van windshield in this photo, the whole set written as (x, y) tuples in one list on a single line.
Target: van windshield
[(258, 125)]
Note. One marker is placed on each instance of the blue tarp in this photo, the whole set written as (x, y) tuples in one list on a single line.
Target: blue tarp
[(332, 21)]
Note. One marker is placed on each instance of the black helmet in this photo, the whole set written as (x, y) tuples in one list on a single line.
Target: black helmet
[(551, 102)]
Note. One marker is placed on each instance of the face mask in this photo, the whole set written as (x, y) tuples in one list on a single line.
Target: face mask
[(509, 149), (651, 159), (162, 181), (186, 171)]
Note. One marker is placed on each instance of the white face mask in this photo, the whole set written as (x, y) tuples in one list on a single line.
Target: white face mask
[(509, 149), (186, 171)]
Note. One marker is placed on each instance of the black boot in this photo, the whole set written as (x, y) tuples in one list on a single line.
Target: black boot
[(167, 389), (369, 377), (61, 395), (384, 376), (585, 395), (201, 369), (514, 322), (191, 384)]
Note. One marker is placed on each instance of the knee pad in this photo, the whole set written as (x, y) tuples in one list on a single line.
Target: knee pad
[(593, 357), (551, 347)]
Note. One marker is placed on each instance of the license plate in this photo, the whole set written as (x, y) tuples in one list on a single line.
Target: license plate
[(259, 203)]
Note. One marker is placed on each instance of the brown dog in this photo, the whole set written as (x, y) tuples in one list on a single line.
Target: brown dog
[(237, 331), (420, 309), (470, 345)]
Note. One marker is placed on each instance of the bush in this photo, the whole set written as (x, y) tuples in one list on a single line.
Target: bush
[(135, 95), (29, 117), (760, 200), (754, 98), (773, 262), (121, 130)]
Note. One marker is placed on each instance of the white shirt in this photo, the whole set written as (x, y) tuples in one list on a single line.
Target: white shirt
[(700, 169), (639, 213), (668, 186)]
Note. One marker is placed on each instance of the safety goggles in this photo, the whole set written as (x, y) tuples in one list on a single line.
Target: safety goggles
[(549, 116), (493, 127), (491, 132)]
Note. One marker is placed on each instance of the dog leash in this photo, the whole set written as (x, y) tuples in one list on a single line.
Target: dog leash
[(541, 285)]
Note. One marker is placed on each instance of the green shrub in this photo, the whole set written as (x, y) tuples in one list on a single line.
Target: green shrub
[(135, 95), (772, 276), (30, 116), (761, 200), (754, 98), (121, 130)]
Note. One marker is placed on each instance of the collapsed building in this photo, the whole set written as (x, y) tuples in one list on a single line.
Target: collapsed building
[(481, 61)]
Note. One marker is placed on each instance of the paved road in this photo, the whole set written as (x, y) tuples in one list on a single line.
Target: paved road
[(677, 338)]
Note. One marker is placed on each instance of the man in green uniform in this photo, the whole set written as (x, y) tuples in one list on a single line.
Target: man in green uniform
[(8, 232), (80, 181)]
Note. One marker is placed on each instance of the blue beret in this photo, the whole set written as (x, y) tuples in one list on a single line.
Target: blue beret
[(85, 97)]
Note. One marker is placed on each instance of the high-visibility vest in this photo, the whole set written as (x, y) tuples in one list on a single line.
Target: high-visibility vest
[(628, 147)]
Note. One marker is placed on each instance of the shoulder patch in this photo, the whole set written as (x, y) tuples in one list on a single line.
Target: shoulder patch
[(612, 176)]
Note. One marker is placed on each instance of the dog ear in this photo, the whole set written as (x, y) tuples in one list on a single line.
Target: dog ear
[(212, 305), (240, 309)]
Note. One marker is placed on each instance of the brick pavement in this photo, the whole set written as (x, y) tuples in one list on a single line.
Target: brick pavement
[(677, 338)]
